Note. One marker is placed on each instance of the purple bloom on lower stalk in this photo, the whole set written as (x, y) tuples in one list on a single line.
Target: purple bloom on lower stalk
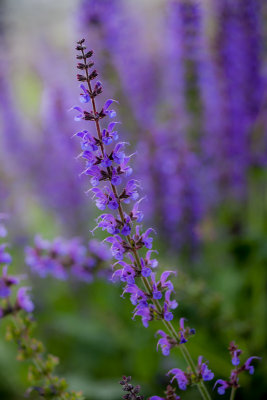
[(204, 371), (23, 300), (233, 381), (223, 386), (180, 376), (144, 310), (249, 367), (164, 343)]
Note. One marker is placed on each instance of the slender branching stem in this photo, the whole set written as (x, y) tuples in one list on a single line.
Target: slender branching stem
[(233, 391)]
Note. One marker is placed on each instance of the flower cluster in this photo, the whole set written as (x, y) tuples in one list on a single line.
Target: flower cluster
[(185, 379), (133, 391), (233, 381), (62, 258), (167, 342)]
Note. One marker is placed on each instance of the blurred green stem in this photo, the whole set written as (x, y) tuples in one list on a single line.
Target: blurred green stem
[(232, 396)]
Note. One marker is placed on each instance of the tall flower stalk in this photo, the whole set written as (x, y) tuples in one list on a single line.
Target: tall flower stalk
[(153, 300)]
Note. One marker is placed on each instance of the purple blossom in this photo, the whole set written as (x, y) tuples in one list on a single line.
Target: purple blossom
[(203, 370), (84, 97), (146, 239), (164, 343), (23, 300), (223, 385), (108, 222), (117, 248), (180, 376), (249, 367)]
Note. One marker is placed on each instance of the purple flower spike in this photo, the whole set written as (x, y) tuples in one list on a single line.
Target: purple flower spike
[(23, 300)]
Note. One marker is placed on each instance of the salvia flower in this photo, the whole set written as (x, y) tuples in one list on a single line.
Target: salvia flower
[(165, 342), (204, 372), (184, 379), (181, 377)]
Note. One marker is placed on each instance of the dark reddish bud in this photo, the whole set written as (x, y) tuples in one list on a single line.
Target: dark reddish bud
[(137, 389), (90, 65), (80, 48), (96, 92), (79, 57), (89, 116), (89, 54), (101, 114), (93, 75), (81, 78), (82, 66), (81, 41)]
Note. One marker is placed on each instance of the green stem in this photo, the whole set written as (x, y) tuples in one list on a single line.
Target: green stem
[(233, 391)]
